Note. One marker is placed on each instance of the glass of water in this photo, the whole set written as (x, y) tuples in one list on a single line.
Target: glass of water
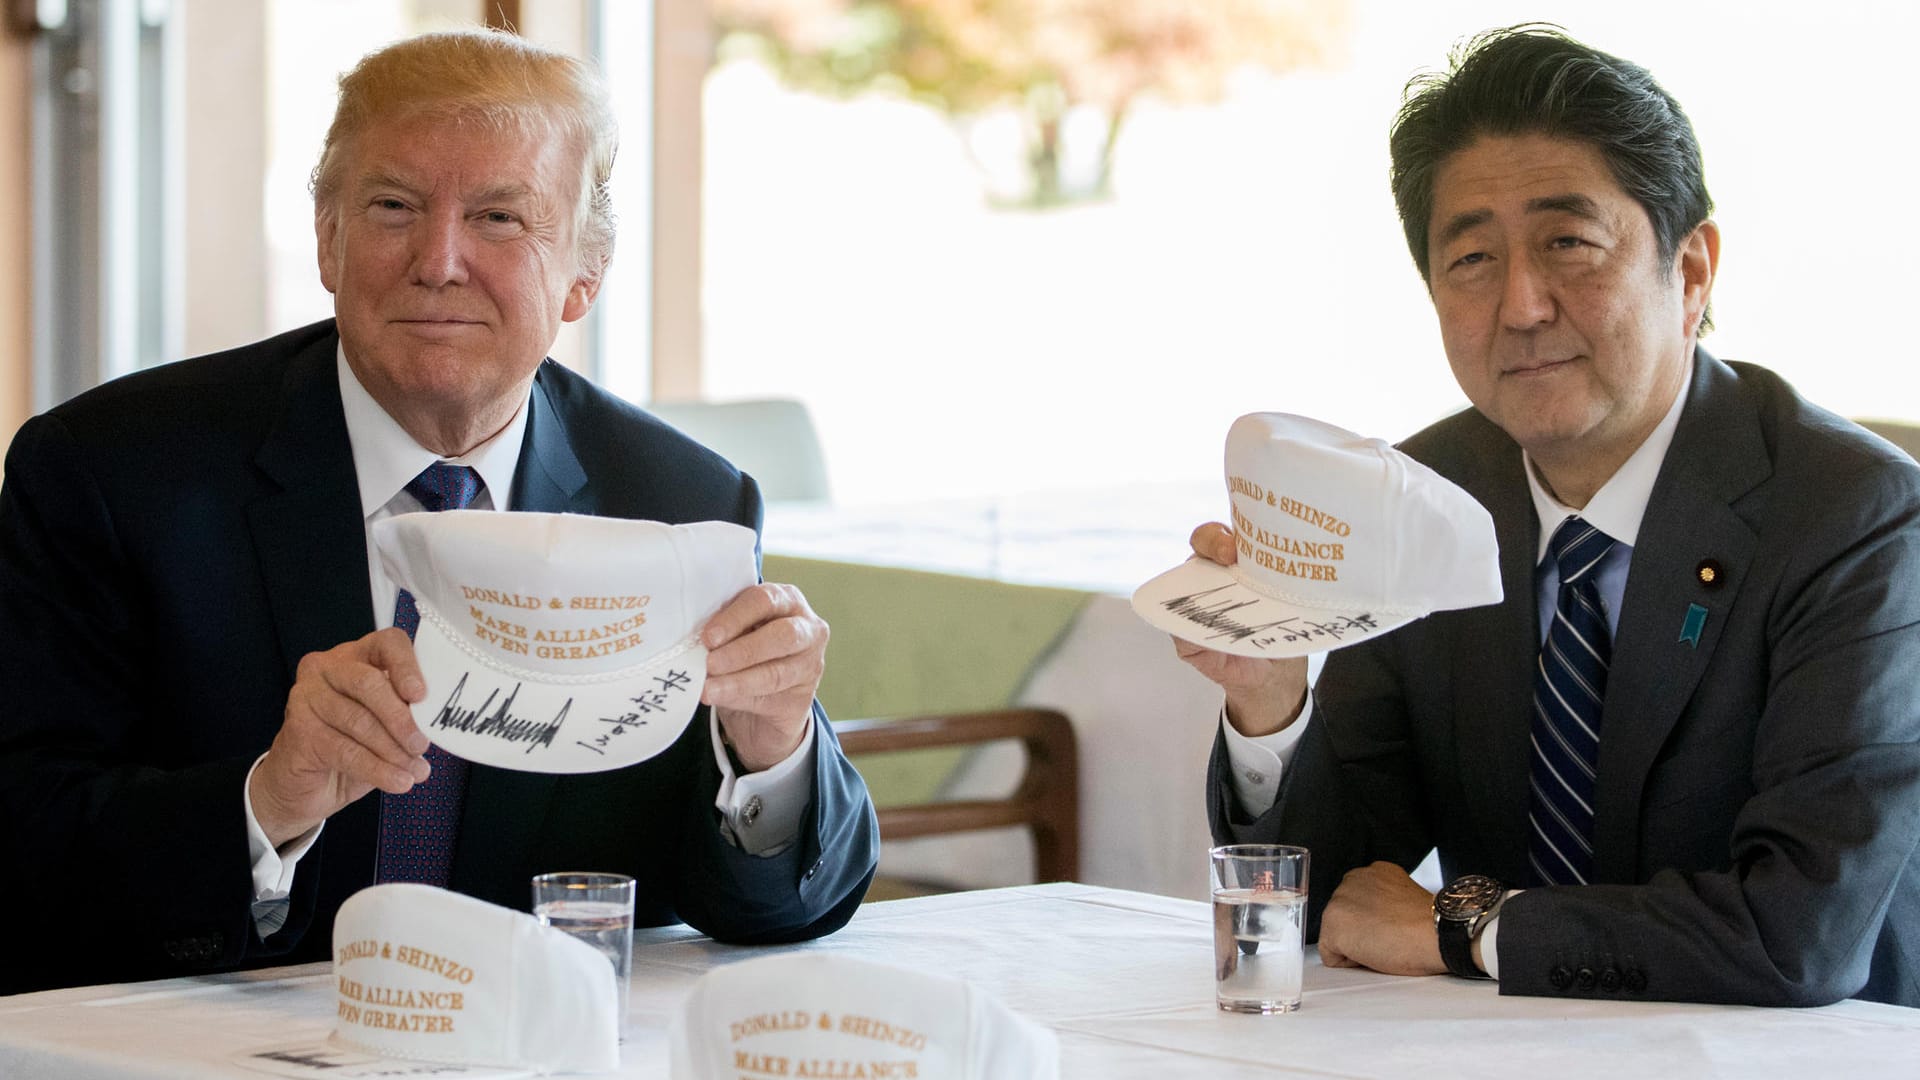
[(596, 909), (1259, 906)]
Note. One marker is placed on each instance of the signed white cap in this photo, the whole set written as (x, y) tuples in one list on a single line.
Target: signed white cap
[(561, 643), (428, 982), (831, 1015), (1339, 538)]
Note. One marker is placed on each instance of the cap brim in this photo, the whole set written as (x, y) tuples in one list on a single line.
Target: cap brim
[(328, 1058), (1202, 602), (581, 724)]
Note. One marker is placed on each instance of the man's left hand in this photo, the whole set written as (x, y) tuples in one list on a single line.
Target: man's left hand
[(766, 653), (1381, 918)]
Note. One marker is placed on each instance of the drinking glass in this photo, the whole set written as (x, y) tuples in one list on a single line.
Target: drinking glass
[(596, 909), (1259, 905)]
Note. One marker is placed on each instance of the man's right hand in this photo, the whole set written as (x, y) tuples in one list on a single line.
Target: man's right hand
[(1263, 696), (347, 731)]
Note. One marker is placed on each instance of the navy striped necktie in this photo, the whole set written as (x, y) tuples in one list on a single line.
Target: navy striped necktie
[(1569, 690), (417, 830)]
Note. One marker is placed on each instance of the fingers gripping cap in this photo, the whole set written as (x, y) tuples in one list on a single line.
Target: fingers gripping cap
[(561, 643), (1338, 539)]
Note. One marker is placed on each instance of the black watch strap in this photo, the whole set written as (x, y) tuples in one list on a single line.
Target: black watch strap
[(1460, 909), (1456, 948)]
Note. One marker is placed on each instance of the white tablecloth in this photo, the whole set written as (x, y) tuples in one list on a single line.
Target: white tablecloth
[(1123, 978)]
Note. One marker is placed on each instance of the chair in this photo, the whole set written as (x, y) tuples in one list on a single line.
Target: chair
[(772, 440), (1900, 433), (1047, 800)]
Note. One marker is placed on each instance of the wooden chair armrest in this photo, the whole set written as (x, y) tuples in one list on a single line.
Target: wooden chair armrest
[(1047, 799)]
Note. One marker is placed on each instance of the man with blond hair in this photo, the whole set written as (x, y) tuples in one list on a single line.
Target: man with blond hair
[(207, 743)]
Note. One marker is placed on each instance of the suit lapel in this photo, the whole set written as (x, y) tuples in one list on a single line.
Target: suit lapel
[(310, 539), (501, 817), (1495, 656), (310, 535), (549, 477), (1717, 456)]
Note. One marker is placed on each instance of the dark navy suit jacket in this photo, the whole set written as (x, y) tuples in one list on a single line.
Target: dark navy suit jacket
[(1757, 800), (172, 543)]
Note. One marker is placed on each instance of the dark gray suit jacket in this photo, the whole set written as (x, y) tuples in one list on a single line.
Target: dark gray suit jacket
[(172, 543), (1758, 794)]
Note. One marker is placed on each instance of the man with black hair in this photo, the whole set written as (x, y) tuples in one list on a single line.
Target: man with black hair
[(1681, 759)]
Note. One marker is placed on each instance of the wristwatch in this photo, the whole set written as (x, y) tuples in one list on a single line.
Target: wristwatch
[(1460, 912)]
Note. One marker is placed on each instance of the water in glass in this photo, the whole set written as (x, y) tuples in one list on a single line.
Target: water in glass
[(606, 926), (1257, 949)]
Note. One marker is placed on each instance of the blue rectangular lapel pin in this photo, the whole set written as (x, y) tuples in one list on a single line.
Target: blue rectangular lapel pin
[(1695, 622)]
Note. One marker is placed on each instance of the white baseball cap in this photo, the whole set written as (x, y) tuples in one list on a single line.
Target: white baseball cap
[(826, 1014), (561, 643), (1339, 539), (429, 982)]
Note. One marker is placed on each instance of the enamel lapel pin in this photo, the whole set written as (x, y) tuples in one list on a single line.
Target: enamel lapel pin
[(1695, 622), (1708, 574)]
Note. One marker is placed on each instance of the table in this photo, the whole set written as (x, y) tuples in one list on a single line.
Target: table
[(1123, 978)]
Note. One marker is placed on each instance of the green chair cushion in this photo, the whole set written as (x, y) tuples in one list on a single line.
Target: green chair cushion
[(913, 642)]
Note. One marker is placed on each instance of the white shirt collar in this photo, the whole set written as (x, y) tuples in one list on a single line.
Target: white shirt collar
[(385, 457), (1616, 509)]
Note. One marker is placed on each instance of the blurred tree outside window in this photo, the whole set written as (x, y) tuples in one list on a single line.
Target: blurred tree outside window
[(1045, 61), (871, 244)]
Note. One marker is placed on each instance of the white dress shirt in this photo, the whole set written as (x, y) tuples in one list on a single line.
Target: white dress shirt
[(760, 812), (1616, 509)]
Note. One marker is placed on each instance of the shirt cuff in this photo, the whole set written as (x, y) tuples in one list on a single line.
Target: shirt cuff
[(272, 869), (1490, 941), (761, 813), (1258, 761)]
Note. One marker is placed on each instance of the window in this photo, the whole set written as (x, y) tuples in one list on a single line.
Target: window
[(855, 256)]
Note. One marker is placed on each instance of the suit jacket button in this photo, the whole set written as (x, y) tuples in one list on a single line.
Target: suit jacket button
[(1610, 980), (1559, 977), (1584, 978), (1635, 980)]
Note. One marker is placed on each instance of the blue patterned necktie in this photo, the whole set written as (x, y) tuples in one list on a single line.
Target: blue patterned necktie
[(417, 829), (1568, 691)]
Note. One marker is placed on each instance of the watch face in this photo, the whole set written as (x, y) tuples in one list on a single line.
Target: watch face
[(1467, 897)]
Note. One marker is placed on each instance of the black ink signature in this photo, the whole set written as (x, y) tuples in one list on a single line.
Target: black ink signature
[(501, 723), (1345, 624), (1218, 617), (321, 1060), (648, 701)]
